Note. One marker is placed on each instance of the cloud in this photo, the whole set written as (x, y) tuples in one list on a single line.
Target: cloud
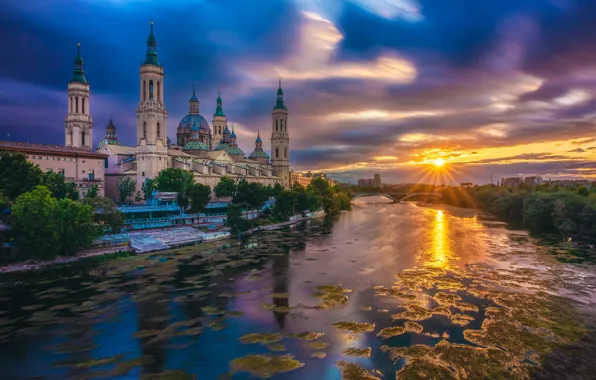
[(576, 150)]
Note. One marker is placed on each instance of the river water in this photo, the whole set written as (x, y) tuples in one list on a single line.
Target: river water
[(424, 291)]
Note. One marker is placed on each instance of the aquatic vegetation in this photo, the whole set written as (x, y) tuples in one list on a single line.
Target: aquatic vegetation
[(414, 312), (331, 296), (262, 338), (145, 333), (441, 310), (307, 335), (172, 374), (278, 309), (413, 327), (355, 327), (91, 363), (352, 371), (461, 319), (318, 345), (265, 366), (389, 332), (319, 354), (276, 347), (361, 352)]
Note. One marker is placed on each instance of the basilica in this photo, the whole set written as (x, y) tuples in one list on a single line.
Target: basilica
[(209, 151)]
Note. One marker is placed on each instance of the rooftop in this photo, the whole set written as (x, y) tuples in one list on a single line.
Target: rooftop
[(57, 149)]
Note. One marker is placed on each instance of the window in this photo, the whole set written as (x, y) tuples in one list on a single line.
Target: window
[(77, 104), (143, 174), (144, 130), (158, 132), (158, 92), (144, 90), (276, 152), (71, 105), (276, 125), (61, 172), (83, 107), (105, 163), (71, 138), (91, 175), (134, 166), (285, 152), (83, 138), (150, 90)]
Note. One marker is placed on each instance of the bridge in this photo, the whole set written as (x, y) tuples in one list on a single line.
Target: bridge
[(394, 199)]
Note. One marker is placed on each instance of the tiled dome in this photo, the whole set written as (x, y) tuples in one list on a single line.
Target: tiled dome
[(259, 154), (195, 145), (235, 150), (195, 121)]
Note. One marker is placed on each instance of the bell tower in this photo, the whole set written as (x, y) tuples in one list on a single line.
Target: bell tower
[(219, 121), (152, 150), (280, 140), (78, 123)]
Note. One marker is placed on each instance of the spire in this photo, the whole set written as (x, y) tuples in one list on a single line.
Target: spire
[(258, 140), (78, 74), (219, 109), (151, 56), (280, 98), (193, 98), (111, 131)]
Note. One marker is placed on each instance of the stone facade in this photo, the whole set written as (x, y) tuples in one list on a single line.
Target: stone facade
[(78, 165)]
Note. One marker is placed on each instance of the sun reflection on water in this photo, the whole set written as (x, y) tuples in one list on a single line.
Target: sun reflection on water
[(440, 250)]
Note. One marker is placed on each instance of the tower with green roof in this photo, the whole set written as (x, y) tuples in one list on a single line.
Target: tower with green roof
[(219, 120), (78, 131), (280, 140), (152, 149)]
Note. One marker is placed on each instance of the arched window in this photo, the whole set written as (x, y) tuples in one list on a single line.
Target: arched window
[(144, 90), (71, 105), (144, 130), (158, 92), (83, 107), (150, 90), (158, 131), (83, 138), (276, 125), (276, 152), (71, 138), (77, 104), (286, 153)]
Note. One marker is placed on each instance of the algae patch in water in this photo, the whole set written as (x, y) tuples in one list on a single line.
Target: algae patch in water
[(414, 312), (265, 366), (307, 335), (355, 327), (261, 338), (413, 327), (318, 345), (360, 352), (331, 296), (389, 332), (352, 371)]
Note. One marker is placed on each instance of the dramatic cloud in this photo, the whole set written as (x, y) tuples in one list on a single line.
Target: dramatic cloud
[(383, 86)]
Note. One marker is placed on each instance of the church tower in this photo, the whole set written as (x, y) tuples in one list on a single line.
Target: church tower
[(152, 150), (219, 121), (79, 125), (280, 140)]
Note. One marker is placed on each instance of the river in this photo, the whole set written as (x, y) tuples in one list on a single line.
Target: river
[(426, 291)]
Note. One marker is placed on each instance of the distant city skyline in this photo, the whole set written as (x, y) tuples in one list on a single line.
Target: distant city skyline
[(387, 87)]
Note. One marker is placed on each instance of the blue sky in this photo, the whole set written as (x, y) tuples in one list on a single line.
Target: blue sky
[(504, 87)]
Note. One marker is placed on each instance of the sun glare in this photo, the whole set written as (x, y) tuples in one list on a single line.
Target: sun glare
[(438, 162)]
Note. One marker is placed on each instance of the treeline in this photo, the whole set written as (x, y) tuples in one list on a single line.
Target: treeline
[(45, 214), (316, 196), (567, 212)]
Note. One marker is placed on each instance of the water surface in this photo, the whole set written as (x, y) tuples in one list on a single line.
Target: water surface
[(452, 294)]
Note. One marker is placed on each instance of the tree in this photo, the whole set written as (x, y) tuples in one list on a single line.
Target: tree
[(285, 204), (17, 175), (235, 221), (199, 197), (35, 221), (77, 227), (58, 187), (126, 188), (105, 213), (147, 188), (225, 188), (176, 180), (583, 191), (93, 192)]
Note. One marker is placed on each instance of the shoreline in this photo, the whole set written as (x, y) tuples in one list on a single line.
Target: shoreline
[(30, 265)]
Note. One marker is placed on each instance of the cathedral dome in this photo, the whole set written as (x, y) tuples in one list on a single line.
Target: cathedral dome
[(258, 154), (194, 122), (234, 150), (195, 145), (221, 146)]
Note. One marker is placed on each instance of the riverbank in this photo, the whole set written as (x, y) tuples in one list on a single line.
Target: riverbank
[(152, 241)]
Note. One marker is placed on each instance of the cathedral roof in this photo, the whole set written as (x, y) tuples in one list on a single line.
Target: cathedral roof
[(78, 74), (194, 122), (221, 146), (107, 142), (151, 56), (195, 145), (258, 154), (193, 98), (235, 150)]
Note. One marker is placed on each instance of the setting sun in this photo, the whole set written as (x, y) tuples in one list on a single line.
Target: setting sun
[(438, 162)]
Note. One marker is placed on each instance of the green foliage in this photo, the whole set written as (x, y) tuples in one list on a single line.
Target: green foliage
[(225, 188), (126, 188), (48, 227), (105, 213), (58, 187), (543, 209), (147, 188), (17, 175), (176, 180), (235, 220), (199, 197), (93, 192)]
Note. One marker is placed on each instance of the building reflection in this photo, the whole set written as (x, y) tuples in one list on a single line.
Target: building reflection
[(152, 315), (279, 267)]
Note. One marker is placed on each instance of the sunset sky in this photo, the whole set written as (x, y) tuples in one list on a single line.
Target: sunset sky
[(506, 87)]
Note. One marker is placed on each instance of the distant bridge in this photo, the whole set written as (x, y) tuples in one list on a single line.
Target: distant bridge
[(392, 198)]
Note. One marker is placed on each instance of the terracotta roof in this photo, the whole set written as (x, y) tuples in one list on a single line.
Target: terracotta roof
[(56, 149), (122, 149)]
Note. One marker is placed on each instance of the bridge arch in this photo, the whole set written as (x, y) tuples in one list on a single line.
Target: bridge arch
[(408, 196)]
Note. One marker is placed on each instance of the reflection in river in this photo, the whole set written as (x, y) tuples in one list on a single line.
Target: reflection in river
[(427, 292)]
